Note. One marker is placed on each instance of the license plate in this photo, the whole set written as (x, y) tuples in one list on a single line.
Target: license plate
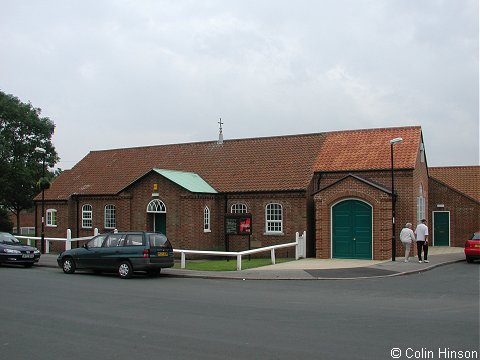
[(162, 253), (27, 256)]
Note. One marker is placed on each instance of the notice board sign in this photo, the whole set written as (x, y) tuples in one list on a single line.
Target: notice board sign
[(238, 224)]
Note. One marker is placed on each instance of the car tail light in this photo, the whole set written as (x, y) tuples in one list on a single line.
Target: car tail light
[(146, 253)]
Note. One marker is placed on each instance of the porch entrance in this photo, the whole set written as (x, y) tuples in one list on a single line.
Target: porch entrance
[(352, 230), (157, 213)]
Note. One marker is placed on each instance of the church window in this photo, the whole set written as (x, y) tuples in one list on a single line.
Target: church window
[(206, 219), (87, 218), (52, 217), (238, 208), (110, 217), (274, 218)]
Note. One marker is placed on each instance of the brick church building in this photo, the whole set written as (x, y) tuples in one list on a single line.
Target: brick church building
[(336, 186)]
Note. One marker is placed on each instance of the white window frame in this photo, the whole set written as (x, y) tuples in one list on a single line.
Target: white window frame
[(87, 216), (206, 219), (274, 219), (110, 218), (51, 216), (420, 205), (238, 208)]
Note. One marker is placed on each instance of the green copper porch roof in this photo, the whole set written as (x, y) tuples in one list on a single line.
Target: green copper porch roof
[(188, 180)]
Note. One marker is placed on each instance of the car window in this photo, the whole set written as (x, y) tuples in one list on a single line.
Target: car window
[(476, 236), (114, 240), (96, 241), (8, 239), (157, 240), (134, 240)]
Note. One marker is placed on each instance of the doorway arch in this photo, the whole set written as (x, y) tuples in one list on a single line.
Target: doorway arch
[(157, 212), (352, 230)]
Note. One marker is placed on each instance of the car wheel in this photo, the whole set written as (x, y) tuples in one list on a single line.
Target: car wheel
[(125, 270), (68, 265), (469, 259)]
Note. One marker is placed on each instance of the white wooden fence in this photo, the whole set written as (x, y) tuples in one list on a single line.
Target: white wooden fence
[(300, 251), (299, 244), (68, 240)]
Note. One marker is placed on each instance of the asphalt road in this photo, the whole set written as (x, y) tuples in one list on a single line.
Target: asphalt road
[(45, 314)]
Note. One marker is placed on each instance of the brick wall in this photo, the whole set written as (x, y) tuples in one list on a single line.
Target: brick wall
[(184, 215), (464, 211), (351, 188)]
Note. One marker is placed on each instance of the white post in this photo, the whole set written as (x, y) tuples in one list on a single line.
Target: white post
[(29, 242), (47, 247), (239, 262), (115, 231), (304, 245), (272, 253), (95, 232), (297, 247), (183, 260), (68, 241)]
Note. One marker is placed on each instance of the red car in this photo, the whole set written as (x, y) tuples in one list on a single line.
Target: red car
[(472, 247)]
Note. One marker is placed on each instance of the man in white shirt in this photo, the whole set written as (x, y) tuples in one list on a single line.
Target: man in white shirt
[(422, 241), (407, 237)]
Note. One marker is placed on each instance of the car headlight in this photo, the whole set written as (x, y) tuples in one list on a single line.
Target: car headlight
[(11, 251), (36, 251)]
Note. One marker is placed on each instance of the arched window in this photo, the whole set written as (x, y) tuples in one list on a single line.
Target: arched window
[(52, 217), (420, 204), (110, 217), (238, 208), (206, 219), (156, 206), (274, 218), (87, 216)]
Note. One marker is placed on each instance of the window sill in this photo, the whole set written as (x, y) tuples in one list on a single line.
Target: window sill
[(207, 230), (273, 234)]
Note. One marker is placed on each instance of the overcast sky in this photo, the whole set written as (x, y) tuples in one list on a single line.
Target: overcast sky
[(125, 73)]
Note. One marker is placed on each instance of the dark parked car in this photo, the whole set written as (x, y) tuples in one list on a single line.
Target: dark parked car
[(472, 247), (122, 252), (12, 251)]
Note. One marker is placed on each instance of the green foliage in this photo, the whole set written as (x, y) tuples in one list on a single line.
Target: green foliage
[(5, 223), (22, 131)]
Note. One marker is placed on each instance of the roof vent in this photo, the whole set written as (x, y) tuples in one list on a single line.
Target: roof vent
[(220, 134)]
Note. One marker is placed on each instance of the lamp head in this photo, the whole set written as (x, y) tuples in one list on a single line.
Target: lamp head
[(396, 140)]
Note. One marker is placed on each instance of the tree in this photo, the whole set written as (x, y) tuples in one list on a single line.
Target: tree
[(22, 130), (5, 223)]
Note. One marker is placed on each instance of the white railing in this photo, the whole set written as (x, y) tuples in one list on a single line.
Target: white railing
[(300, 248), (300, 251), (68, 240)]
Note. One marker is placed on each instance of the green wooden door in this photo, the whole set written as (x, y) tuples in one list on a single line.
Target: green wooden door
[(441, 228), (352, 230), (160, 223)]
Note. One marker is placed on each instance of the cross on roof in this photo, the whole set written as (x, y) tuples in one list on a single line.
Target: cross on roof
[(221, 123)]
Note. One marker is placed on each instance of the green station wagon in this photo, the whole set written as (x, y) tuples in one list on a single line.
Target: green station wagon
[(122, 252)]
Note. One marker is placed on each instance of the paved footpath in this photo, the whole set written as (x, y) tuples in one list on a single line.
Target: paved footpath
[(318, 269)]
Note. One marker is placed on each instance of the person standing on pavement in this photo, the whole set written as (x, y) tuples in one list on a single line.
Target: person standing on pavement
[(407, 237), (422, 241)]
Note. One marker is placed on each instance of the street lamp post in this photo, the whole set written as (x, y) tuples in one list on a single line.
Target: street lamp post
[(394, 200), (42, 241)]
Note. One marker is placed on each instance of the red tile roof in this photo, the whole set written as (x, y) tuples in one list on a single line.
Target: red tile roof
[(260, 164), (245, 165), (465, 179), (369, 149)]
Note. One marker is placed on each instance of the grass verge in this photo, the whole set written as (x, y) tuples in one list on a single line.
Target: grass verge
[(231, 265)]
